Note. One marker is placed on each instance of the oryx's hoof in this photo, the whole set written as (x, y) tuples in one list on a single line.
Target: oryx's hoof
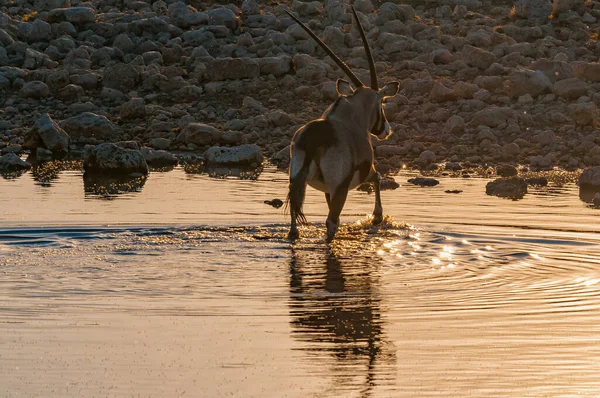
[(377, 219), (331, 230), (293, 234)]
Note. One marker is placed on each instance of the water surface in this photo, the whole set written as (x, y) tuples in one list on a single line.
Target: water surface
[(184, 285)]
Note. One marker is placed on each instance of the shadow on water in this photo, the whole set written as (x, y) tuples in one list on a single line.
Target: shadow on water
[(111, 187), (337, 312)]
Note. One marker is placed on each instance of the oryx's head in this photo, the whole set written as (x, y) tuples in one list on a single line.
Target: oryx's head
[(368, 99)]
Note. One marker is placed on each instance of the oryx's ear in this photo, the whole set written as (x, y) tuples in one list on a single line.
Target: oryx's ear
[(343, 87), (389, 90)]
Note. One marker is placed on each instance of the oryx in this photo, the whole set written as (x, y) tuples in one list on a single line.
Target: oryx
[(333, 154)]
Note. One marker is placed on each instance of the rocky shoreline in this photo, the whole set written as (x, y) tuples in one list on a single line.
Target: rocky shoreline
[(482, 82)]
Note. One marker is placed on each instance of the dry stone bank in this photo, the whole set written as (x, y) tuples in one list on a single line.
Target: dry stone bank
[(482, 81)]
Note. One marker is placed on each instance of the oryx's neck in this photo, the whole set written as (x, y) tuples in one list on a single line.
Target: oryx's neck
[(346, 111)]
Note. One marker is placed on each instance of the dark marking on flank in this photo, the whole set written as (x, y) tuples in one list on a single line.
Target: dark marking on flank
[(318, 135)]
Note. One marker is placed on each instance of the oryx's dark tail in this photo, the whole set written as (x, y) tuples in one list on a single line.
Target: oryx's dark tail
[(295, 198)]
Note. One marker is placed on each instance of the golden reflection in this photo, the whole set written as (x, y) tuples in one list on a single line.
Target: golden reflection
[(337, 314)]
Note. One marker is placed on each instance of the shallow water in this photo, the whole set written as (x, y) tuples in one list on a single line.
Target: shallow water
[(187, 287)]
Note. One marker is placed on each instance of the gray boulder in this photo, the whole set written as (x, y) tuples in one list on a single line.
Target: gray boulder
[(529, 82), (35, 89), (111, 158), (133, 109), (554, 70), (223, 16), (590, 178), (232, 68), (585, 113), (238, 155), (121, 76), (47, 134), (198, 134), (158, 158), (88, 124), (478, 57), (282, 158), (570, 88), (12, 162), (276, 66), (513, 187), (533, 10)]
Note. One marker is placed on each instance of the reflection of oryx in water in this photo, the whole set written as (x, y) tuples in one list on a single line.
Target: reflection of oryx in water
[(333, 154), (336, 309)]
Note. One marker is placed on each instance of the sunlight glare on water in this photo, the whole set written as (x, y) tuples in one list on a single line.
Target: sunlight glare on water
[(188, 286)]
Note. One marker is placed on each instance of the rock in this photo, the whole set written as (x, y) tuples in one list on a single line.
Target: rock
[(511, 150), (111, 158), (388, 183), (238, 155), (121, 76), (14, 148), (124, 43), (39, 30), (74, 15), (585, 113), (35, 89), (455, 125), (596, 200), (440, 93), (276, 203), (560, 6), (424, 182), (513, 187), (465, 90), (537, 181), (589, 71), (160, 143), (455, 191), (426, 157), (87, 125), (364, 6), (12, 162), (281, 158), (231, 138), (224, 16), (276, 66), (158, 158), (477, 57), (506, 170), (43, 155), (279, 118), (527, 82), (232, 68), (251, 103), (534, 10), (554, 70), (250, 7), (493, 116), (47, 134), (133, 109), (590, 178), (199, 134), (570, 88)]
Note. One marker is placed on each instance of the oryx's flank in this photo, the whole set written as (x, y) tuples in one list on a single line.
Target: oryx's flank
[(333, 154)]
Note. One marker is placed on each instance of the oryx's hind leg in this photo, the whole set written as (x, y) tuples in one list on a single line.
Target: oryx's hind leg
[(297, 190), (378, 210), (336, 204)]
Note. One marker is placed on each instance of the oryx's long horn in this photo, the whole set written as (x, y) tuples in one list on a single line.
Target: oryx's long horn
[(374, 84), (335, 58)]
